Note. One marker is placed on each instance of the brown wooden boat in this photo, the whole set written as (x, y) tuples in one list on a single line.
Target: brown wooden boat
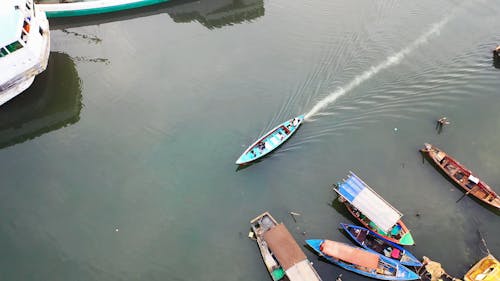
[(462, 176)]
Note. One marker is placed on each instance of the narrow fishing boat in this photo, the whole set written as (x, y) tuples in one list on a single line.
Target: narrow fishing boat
[(283, 257), (270, 141), (462, 176), (378, 244), (71, 8), (24, 46), (487, 269), (361, 261), (372, 210)]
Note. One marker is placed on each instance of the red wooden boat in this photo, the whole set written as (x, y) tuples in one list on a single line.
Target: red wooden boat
[(462, 176)]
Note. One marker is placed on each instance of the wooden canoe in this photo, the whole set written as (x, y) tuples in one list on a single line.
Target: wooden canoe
[(487, 269), (270, 141), (464, 178), (361, 261), (283, 257), (378, 244)]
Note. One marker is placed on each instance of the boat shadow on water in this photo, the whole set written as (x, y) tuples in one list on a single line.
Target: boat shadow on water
[(211, 14), (463, 193), (248, 165), (52, 102), (341, 209)]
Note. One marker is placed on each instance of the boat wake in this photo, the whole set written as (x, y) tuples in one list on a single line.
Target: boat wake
[(389, 61)]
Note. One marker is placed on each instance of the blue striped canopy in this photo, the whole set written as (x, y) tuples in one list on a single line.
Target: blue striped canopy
[(368, 202)]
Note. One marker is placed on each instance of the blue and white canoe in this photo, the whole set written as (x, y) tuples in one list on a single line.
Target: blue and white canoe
[(361, 261), (373, 242), (270, 141)]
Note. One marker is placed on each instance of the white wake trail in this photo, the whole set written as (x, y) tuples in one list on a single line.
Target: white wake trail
[(390, 61)]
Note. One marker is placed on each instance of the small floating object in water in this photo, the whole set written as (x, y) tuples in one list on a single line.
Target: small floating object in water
[(270, 141), (395, 129)]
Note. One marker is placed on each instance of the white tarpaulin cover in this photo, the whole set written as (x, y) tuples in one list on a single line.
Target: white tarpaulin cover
[(368, 202)]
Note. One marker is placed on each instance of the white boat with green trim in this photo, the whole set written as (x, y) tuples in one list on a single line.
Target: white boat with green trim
[(72, 8), (24, 46)]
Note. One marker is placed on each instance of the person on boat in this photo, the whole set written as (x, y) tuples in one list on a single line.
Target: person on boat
[(260, 146), (387, 252), (496, 51), (496, 57), (441, 122), (295, 122)]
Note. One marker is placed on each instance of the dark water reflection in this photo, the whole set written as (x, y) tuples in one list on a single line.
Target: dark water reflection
[(53, 101), (136, 179)]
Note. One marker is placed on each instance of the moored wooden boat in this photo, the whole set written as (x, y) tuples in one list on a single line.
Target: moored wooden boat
[(464, 178), (281, 254), (270, 141), (378, 244), (71, 8), (487, 269), (361, 261), (372, 211)]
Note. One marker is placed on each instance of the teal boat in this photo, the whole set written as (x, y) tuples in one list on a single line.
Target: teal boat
[(270, 141), (62, 8)]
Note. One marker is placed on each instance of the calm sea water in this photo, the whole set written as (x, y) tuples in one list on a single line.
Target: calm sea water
[(118, 163)]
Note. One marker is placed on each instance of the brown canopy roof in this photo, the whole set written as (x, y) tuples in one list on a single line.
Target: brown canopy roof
[(284, 247), (350, 254)]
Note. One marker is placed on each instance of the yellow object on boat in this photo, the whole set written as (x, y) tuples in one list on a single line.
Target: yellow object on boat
[(487, 269)]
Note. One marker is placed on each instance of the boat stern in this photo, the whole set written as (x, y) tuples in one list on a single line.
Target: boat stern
[(405, 273)]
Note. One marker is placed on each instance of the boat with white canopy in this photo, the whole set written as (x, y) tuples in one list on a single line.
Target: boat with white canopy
[(372, 210)]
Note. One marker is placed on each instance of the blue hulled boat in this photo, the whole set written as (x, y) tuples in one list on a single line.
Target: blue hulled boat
[(361, 261), (270, 141), (378, 244)]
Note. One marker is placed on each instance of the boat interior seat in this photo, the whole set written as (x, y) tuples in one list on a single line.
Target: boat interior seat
[(459, 176), (362, 235), (275, 141), (470, 184)]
